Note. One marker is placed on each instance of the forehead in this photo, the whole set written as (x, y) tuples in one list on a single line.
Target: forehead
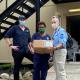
[(55, 19), (41, 25)]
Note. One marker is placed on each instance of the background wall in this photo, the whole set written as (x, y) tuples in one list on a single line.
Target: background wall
[(47, 11), (63, 11), (3, 4)]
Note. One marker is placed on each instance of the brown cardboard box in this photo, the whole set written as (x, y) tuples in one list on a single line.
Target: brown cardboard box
[(41, 46)]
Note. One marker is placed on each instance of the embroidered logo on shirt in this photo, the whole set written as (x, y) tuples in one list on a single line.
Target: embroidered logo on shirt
[(27, 30), (47, 38)]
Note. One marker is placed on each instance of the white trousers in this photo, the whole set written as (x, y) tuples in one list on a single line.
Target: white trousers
[(59, 64)]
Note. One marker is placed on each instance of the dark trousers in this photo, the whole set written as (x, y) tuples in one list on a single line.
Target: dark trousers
[(40, 66), (18, 57)]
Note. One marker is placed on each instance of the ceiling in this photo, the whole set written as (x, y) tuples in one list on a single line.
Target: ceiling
[(64, 1)]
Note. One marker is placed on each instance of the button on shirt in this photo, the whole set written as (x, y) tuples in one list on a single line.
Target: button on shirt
[(60, 37), (20, 38)]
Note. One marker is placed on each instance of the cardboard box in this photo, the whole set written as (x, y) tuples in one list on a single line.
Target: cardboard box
[(41, 46)]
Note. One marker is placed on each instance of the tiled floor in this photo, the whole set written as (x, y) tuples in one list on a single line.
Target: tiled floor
[(72, 70)]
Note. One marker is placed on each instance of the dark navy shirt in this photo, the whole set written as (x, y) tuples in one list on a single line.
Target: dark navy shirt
[(37, 36), (20, 38)]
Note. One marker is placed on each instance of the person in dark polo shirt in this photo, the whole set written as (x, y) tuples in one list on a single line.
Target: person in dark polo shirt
[(21, 41), (40, 60)]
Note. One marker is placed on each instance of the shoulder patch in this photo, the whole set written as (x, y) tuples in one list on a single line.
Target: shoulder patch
[(27, 30)]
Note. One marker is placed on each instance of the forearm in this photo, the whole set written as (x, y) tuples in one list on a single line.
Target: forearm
[(8, 41), (58, 47)]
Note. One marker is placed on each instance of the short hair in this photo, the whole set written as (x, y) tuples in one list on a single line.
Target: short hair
[(41, 23), (58, 17)]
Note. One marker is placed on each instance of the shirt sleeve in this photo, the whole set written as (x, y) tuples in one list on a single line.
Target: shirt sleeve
[(10, 33), (63, 38), (33, 37)]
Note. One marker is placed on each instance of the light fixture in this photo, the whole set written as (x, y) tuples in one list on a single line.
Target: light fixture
[(74, 10)]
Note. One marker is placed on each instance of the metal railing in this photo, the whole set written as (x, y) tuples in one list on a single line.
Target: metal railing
[(4, 4)]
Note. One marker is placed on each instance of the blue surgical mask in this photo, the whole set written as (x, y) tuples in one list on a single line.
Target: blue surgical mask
[(22, 23)]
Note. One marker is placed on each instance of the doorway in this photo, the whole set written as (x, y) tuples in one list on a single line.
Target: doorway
[(73, 27)]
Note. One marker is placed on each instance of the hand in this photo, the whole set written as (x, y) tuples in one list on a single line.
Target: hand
[(32, 50), (15, 47), (30, 46), (55, 48), (50, 49)]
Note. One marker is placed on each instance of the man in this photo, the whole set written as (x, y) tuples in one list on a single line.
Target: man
[(59, 42), (40, 60), (21, 39)]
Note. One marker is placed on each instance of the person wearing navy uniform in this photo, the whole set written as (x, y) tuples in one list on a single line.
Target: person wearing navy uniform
[(40, 60), (59, 46), (21, 41)]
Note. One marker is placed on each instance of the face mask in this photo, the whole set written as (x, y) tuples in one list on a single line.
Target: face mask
[(54, 27), (22, 23), (41, 30)]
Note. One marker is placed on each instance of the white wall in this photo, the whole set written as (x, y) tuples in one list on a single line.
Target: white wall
[(63, 10), (3, 4), (47, 11)]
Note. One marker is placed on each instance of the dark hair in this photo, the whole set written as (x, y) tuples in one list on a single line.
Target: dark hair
[(41, 23)]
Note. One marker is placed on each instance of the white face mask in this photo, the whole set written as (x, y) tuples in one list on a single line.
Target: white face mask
[(55, 24)]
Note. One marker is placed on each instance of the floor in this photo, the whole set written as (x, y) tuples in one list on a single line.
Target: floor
[(72, 70)]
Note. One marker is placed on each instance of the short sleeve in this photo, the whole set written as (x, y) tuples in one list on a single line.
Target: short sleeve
[(63, 37), (10, 32)]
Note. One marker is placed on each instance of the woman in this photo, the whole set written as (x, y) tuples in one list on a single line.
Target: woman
[(40, 60)]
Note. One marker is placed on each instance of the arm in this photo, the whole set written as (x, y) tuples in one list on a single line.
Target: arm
[(59, 46), (8, 41), (31, 44), (9, 35)]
